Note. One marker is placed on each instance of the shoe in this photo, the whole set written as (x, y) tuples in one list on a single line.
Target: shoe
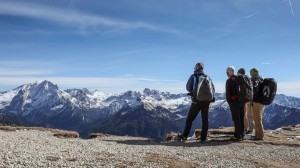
[(181, 138), (236, 139), (204, 140), (248, 132), (256, 139)]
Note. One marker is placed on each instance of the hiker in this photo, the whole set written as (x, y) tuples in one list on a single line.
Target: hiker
[(237, 112), (257, 108), (248, 116), (197, 105)]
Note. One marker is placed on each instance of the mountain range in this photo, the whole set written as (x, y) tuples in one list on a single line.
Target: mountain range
[(149, 113)]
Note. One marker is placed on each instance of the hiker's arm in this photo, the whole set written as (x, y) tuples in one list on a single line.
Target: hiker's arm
[(228, 91), (190, 84)]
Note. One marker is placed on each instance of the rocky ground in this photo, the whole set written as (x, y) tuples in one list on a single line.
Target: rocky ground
[(39, 148)]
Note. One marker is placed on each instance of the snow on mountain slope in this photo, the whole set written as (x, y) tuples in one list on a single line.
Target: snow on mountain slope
[(44, 96), (172, 102), (47, 96), (6, 97), (288, 101)]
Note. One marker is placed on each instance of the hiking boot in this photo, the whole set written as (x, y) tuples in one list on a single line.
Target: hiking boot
[(181, 138), (248, 132), (256, 139), (204, 140), (236, 138)]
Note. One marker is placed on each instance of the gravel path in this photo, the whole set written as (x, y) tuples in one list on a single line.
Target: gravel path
[(41, 149)]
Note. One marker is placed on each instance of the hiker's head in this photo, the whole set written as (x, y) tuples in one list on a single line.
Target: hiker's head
[(230, 71), (241, 71), (254, 72), (199, 65)]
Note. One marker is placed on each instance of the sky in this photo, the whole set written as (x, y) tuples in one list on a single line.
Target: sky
[(118, 45)]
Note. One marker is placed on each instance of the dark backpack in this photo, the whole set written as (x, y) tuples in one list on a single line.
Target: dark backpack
[(269, 88), (204, 90), (256, 84), (245, 90)]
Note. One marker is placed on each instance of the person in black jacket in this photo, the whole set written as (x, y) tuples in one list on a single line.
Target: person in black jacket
[(237, 112), (246, 100), (196, 106)]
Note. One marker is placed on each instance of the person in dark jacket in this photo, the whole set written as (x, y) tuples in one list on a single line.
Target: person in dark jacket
[(248, 116), (196, 106), (237, 112)]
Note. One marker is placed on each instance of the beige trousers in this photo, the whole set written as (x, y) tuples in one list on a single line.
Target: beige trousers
[(248, 117), (257, 110)]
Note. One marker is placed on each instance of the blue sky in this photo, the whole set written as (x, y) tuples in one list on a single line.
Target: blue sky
[(119, 45)]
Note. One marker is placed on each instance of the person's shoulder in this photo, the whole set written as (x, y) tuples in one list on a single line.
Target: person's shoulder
[(233, 77), (228, 80)]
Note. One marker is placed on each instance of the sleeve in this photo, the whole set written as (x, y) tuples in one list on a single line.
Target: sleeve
[(190, 84), (228, 92)]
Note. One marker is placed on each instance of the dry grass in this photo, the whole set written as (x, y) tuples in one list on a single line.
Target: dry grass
[(71, 159), (171, 136), (56, 132), (98, 135), (52, 158), (225, 130)]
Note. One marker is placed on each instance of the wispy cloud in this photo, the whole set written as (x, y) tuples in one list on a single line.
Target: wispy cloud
[(74, 18), (249, 16), (138, 51), (291, 7), (30, 67), (289, 88), (23, 72), (122, 84), (267, 63), (109, 85)]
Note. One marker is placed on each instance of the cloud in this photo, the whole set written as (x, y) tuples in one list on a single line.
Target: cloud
[(74, 18), (291, 7), (138, 51), (30, 67), (289, 88), (23, 72), (249, 16), (267, 63), (109, 85), (122, 84)]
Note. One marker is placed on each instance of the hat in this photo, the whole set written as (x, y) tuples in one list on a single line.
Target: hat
[(242, 71), (230, 70), (200, 65), (254, 72)]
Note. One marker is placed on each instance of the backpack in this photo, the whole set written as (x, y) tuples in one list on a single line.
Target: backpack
[(269, 88), (204, 90), (256, 84), (245, 89)]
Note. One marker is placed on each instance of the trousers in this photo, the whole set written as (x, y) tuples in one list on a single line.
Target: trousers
[(193, 112)]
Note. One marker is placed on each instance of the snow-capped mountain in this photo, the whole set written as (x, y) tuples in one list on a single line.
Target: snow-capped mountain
[(148, 113)]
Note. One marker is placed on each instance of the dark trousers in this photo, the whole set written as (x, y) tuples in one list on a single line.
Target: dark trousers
[(237, 113), (194, 110)]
